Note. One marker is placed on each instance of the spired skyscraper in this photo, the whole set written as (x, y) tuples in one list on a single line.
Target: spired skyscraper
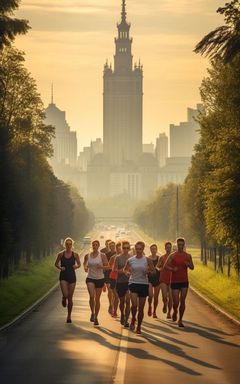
[(122, 168), (123, 101)]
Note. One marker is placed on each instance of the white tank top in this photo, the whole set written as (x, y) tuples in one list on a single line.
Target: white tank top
[(93, 271), (138, 268)]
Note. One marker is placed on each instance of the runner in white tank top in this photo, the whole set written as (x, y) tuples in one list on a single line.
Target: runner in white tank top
[(138, 267), (95, 263)]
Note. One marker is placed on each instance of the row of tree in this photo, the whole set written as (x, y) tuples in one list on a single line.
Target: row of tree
[(209, 200), (36, 209)]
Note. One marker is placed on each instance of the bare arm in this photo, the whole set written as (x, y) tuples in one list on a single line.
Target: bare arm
[(105, 264), (190, 264), (112, 262), (85, 263), (57, 262), (127, 268), (169, 266), (160, 264), (151, 268)]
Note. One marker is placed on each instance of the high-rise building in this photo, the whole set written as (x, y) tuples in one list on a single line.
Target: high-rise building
[(161, 150), (122, 100), (65, 141), (185, 136)]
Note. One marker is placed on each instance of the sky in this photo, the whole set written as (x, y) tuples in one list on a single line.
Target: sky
[(70, 41)]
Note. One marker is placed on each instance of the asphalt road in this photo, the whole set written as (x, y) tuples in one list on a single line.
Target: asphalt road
[(44, 349)]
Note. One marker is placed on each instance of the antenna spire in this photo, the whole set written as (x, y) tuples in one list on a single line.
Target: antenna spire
[(124, 13), (52, 93)]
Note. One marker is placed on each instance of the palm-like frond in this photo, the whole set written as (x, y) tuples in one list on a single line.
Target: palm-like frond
[(9, 28)]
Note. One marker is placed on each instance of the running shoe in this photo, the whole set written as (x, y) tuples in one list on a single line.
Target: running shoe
[(155, 315), (92, 318), (132, 325), (114, 315), (96, 323), (69, 321), (138, 331), (180, 324), (126, 325), (169, 316), (64, 302)]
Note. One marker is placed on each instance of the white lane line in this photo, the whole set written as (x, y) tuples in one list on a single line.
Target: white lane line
[(122, 359)]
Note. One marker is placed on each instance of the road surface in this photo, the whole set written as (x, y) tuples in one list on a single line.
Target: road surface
[(43, 349)]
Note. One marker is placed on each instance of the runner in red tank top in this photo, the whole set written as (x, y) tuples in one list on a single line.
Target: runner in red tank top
[(165, 280), (178, 263)]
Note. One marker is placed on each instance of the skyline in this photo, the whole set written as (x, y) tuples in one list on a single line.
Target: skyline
[(163, 38)]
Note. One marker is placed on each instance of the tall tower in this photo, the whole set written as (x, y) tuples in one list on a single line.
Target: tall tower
[(122, 100)]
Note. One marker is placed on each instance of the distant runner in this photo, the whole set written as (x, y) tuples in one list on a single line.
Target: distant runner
[(95, 263), (179, 262), (122, 286), (138, 267), (113, 279), (165, 280), (154, 283), (67, 262)]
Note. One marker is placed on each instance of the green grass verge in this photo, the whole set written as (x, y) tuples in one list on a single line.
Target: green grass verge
[(26, 286), (215, 286), (223, 291)]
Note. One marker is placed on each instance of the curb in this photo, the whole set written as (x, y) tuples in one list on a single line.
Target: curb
[(29, 310), (216, 307)]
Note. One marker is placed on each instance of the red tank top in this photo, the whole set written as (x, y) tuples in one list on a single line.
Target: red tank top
[(165, 274), (179, 260)]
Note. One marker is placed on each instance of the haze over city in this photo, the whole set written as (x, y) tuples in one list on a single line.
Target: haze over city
[(69, 43)]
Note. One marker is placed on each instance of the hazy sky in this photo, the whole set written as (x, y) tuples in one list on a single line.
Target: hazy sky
[(70, 41)]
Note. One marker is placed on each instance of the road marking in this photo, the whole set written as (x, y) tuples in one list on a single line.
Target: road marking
[(119, 377)]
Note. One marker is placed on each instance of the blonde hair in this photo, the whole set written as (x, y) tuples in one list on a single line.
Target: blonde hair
[(68, 239)]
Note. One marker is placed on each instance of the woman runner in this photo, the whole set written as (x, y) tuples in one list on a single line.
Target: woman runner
[(67, 262), (113, 279), (95, 263), (122, 286), (165, 280), (138, 267), (179, 262), (154, 283)]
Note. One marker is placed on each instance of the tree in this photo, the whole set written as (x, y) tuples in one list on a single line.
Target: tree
[(224, 41), (10, 26)]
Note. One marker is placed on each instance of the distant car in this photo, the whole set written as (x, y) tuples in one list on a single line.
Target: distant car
[(87, 240)]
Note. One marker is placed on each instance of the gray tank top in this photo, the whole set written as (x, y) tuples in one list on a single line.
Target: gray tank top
[(138, 267), (120, 264), (93, 271)]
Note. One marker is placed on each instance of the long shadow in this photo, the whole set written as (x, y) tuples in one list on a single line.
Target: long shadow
[(206, 334), (135, 352), (157, 326), (214, 330), (174, 340), (177, 351), (116, 335)]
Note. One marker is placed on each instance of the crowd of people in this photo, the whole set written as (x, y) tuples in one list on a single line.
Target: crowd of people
[(130, 277)]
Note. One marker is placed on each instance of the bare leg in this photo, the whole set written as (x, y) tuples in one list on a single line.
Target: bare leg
[(64, 288), (71, 288), (98, 292), (150, 299), (91, 291), (142, 301), (183, 295), (156, 291), (164, 289), (134, 301), (121, 307), (175, 296), (115, 301), (170, 302), (110, 298), (127, 306)]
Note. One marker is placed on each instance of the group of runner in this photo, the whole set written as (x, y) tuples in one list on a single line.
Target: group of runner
[(129, 277)]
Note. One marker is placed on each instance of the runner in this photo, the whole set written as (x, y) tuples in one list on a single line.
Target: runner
[(95, 263), (67, 262), (154, 283), (138, 268), (106, 248), (122, 286), (165, 280), (113, 279), (109, 254), (179, 262)]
